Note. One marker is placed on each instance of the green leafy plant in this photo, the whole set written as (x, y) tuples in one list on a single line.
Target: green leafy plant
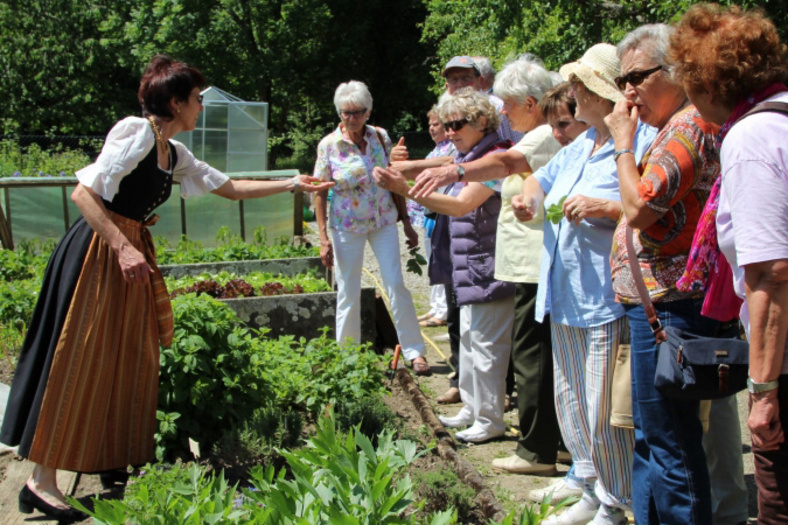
[(340, 478), (252, 284), (210, 375), (182, 494), (217, 372), (230, 247), (536, 513), (336, 478), (415, 261), (308, 375), (555, 212)]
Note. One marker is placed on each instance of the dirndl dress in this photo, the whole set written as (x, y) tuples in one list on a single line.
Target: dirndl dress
[(85, 389)]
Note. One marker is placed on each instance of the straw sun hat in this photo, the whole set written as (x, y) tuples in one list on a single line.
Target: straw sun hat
[(597, 69)]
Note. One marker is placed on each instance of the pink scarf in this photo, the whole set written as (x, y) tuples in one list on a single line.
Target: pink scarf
[(707, 269)]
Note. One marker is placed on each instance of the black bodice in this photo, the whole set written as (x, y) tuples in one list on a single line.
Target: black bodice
[(144, 189)]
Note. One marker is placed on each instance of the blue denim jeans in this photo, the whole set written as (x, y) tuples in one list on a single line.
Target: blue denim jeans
[(670, 476)]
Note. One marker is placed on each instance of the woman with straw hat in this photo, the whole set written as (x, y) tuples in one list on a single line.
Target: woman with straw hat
[(575, 290)]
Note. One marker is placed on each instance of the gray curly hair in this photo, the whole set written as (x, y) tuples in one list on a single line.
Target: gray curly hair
[(471, 104)]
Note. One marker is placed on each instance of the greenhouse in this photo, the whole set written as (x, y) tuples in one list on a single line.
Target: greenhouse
[(231, 135)]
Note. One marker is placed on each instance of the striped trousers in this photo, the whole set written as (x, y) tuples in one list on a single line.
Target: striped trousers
[(583, 360)]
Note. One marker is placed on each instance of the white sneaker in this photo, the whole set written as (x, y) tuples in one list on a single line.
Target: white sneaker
[(581, 513), (609, 516), (463, 419), (555, 492), (478, 435)]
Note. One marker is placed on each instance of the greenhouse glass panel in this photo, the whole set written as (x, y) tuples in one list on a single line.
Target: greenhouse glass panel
[(216, 149), (215, 116)]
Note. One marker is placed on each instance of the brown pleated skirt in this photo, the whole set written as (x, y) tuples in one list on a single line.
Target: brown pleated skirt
[(99, 407)]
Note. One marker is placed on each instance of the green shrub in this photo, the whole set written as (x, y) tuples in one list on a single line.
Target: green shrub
[(217, 372), (211, 375), (441, 489), (308, 375), (370, 415), (256, 441), (32, 161)]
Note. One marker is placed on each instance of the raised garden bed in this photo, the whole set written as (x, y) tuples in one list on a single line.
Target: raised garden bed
[(299, 315)]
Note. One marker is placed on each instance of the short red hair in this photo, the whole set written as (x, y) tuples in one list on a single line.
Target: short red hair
[(738, 52)]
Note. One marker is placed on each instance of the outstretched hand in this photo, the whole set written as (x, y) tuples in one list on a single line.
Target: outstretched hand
[(431, 179), (312, 184), (391, 180)]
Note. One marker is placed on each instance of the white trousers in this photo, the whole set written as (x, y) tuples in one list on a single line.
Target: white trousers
[(348, 263), (485, 347), (438, 307)]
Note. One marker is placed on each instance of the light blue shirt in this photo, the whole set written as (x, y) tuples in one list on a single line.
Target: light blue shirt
[(575, 286)]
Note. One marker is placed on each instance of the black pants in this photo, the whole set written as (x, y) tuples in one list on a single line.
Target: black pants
[(532, 361)]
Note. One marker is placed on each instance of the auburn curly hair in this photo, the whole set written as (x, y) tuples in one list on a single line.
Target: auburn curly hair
[(739, 52)]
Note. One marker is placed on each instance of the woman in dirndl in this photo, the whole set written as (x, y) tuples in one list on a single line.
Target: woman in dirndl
[(85, 389)]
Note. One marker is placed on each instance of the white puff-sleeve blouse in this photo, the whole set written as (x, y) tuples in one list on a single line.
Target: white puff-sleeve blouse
[(129, 141)]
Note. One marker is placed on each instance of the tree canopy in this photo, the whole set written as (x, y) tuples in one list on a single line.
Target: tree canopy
[(73, 66)]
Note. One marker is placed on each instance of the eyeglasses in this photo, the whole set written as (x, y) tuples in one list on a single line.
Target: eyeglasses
[(460, 79), (455, 125), (635, 78), (357, 114)]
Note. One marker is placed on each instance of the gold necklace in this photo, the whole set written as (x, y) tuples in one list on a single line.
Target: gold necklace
[(163, 144)]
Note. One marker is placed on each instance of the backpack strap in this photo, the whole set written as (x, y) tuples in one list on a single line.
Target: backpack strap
[(776, 107)]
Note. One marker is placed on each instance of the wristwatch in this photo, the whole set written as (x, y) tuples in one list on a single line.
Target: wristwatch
[(460, 172), (758, 388)]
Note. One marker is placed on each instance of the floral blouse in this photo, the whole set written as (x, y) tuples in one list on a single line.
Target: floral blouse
[(358, 204)]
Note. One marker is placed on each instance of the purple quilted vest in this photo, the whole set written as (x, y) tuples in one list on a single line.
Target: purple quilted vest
[(473, 253)]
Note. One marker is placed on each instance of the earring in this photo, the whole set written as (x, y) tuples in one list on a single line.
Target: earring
[(179, 111)]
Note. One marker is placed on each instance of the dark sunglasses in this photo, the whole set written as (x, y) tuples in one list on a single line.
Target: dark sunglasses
[(455, 125), (635, 78)]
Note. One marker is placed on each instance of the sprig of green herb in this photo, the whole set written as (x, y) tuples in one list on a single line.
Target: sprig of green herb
[(415, 262), (555, 212)]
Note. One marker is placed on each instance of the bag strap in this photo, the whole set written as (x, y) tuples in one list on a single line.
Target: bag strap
[(777, 107), (640, 284)]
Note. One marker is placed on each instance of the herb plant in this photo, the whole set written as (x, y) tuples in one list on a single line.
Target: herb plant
[(416, 261), (230, 247), (555, 212)]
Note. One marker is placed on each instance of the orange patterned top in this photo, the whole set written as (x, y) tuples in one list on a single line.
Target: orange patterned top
[(677, 174)]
